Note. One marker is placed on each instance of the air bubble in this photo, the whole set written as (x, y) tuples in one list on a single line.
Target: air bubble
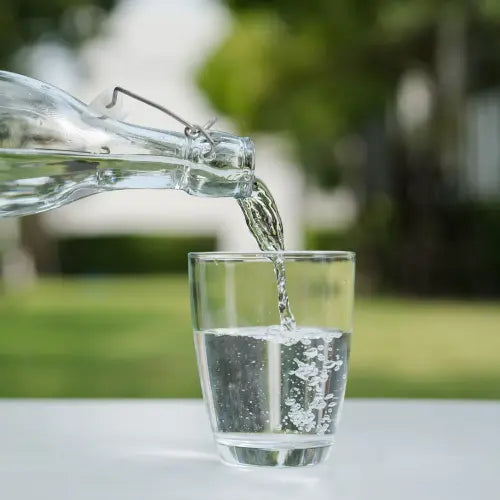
[(318, 403), (305, 370)]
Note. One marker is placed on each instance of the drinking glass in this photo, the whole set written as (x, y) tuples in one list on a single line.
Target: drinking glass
[(274, 393)]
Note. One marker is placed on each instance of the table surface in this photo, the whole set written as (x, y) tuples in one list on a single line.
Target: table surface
[(150, 449)]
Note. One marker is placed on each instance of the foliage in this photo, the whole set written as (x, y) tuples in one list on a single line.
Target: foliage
[(321, 70), (25, 22), (468, 266), (129, 254)]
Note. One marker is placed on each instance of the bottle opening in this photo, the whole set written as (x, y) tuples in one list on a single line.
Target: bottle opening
[(248, 156)]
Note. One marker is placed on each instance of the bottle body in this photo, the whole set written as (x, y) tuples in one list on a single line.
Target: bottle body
[(54, 150)]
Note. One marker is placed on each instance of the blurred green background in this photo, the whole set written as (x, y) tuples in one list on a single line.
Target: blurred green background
[(129, 337), (395, 105)]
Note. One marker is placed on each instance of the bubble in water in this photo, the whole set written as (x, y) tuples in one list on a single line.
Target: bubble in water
[(329, 364), (305, 370), (302, 418), (322, 428), (318, 403), (311, 353)]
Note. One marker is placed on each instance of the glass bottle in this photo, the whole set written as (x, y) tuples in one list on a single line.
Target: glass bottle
[(55, 149)]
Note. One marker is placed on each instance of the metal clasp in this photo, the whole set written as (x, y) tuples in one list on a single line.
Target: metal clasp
[(191, 130)]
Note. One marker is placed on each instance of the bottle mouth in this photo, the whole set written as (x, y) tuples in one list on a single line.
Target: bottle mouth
[(248, 156)]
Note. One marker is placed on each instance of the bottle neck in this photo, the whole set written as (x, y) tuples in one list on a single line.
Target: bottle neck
[(141, 157), (228, 151)]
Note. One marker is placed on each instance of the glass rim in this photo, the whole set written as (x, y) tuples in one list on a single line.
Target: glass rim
[(330, 255)]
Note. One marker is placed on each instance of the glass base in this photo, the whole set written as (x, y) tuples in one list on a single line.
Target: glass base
[(268, 457)]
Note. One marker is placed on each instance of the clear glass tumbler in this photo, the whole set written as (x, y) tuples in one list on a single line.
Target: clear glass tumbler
[(274, 395)]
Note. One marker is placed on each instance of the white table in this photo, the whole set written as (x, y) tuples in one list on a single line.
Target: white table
[(93, 450)]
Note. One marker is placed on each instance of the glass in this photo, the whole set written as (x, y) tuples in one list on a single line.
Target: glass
[(55, 149), (274, 396)]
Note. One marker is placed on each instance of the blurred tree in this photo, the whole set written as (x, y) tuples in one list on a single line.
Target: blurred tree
[(372, 94), (23, 24), (26, 22)]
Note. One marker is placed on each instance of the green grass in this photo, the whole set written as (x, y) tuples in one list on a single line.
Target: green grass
[(132, 338)]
